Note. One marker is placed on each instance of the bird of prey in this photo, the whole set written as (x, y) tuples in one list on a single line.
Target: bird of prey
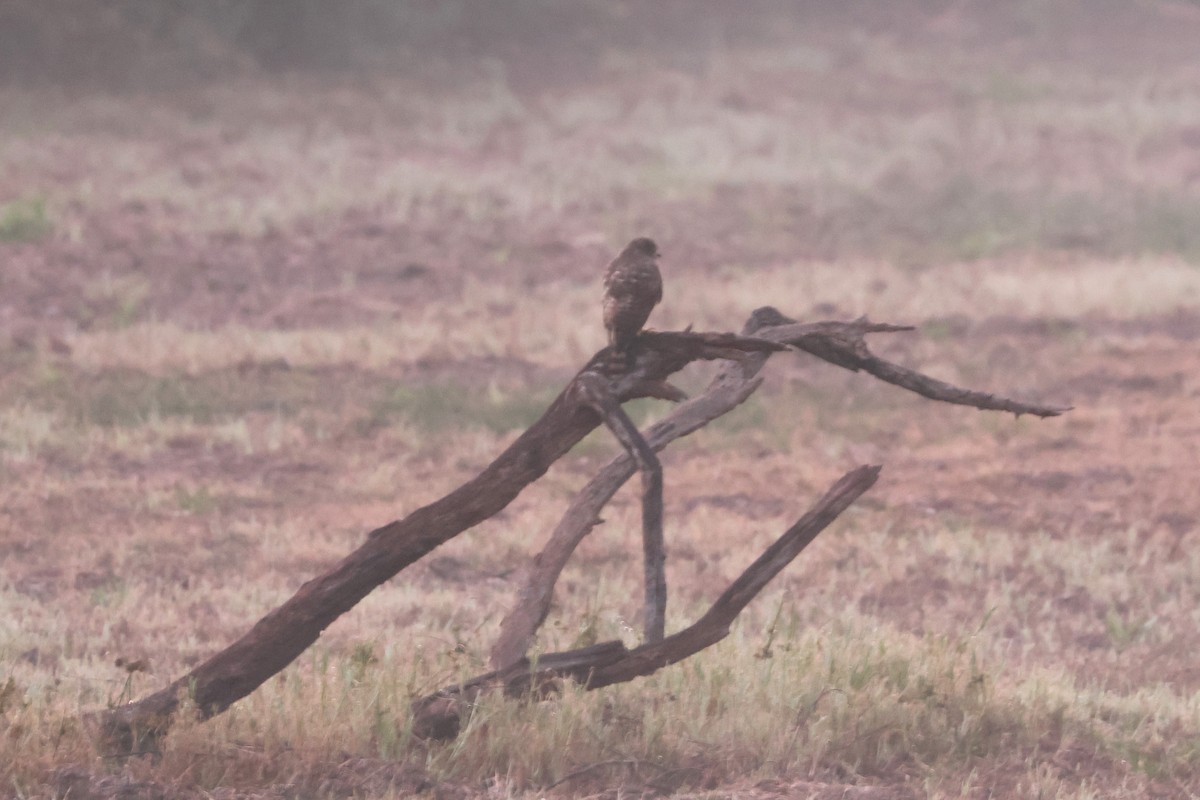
[(632, 288)]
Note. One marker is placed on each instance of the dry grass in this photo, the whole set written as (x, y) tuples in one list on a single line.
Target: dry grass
[(251, 322)]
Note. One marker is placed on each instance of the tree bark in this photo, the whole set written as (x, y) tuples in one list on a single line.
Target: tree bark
[(285, 633), (439, 715), (839, 343), (735, 382), (654, 610)]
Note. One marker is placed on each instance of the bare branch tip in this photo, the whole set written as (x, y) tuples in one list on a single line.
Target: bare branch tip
[(867, 470)]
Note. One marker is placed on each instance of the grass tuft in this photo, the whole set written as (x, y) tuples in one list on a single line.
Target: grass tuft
[(441, 407), (25, 221)]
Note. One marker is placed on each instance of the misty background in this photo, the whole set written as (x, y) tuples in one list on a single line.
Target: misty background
[(145, 44), (1002, 174)]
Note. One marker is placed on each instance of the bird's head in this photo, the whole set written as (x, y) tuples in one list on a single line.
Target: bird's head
[(643, 246)]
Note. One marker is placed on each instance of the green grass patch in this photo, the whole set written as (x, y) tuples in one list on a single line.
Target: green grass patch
[(119, 298), (128, 398), (448, 406), (1166, 223), (112, 592), (25, 221), (970, 217), (199, 501)]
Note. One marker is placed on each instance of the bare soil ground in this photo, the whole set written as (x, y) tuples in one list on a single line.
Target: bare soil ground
[(241, 325)]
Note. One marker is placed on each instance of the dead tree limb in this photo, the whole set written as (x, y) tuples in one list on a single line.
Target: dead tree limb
[(594, 390), (283, 634), (842, 344), (839, 343), (290, 629), (734, 383), (439, 715)]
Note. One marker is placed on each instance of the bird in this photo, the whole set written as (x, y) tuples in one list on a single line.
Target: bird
[(632, 288)]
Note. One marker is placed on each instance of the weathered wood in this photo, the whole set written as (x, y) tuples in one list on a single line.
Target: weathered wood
[(734, 383), (439, 715), (281, 635), (594, 391), (840, 343), (289, 630)]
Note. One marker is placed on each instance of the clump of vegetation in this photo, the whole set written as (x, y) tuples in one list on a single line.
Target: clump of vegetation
[(439, 407), (130, 398), (25, 221)]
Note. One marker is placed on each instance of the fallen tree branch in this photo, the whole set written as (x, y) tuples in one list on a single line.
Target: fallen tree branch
[(734, 383), (290, 629), (283, 634), (840, 343), (439, 715)]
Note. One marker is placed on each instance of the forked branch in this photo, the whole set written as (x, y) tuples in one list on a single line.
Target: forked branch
[(840, 343), (439, 715), (283, 634), (594, 390)]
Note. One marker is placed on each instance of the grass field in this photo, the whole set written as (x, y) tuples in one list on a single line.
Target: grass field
[(243, 324)]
